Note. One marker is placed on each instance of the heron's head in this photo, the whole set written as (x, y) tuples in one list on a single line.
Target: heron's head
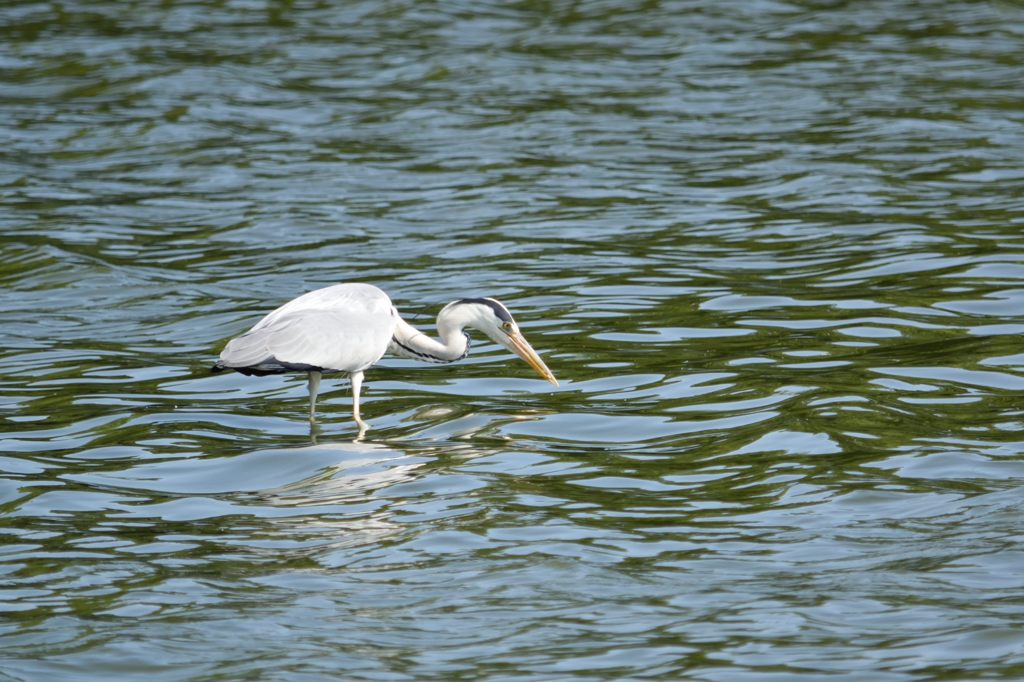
[(493, 319)]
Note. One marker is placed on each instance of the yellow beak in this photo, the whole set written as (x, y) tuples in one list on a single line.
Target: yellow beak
[(523, 349)]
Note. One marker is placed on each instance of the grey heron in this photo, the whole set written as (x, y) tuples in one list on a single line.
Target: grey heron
[(349, 327)]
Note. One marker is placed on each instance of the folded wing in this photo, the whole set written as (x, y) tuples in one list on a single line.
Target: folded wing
[(308, 339)]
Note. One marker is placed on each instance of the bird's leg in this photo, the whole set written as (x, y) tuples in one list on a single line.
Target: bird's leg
[(314, 388), (357, 383)]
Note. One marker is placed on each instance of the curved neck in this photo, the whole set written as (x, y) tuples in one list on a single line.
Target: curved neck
[(412, 343)]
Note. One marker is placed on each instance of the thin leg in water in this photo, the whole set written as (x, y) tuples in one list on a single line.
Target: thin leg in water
[(357, 384), (314, 388)]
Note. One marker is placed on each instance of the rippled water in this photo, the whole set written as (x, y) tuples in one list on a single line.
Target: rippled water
[(773, 251)]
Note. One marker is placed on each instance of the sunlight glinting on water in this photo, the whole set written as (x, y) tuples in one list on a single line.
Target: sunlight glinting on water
[(771, 250)]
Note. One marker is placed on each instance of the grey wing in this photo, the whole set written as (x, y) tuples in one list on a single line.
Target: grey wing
[(329, 340), (352, 298)]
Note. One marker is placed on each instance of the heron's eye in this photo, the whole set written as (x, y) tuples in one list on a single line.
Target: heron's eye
[(508, 326)]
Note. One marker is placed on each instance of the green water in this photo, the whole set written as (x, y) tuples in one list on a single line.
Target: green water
[(773, 252)]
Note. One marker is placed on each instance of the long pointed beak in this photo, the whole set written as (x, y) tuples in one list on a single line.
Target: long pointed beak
[(519, 345)]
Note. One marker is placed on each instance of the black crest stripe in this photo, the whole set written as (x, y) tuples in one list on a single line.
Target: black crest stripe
[(498, 309)]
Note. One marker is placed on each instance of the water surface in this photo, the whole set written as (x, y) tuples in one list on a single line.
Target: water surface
[(772, 250)]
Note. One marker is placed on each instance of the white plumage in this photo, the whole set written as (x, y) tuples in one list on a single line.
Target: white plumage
[(349, 327), (342, 328)]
